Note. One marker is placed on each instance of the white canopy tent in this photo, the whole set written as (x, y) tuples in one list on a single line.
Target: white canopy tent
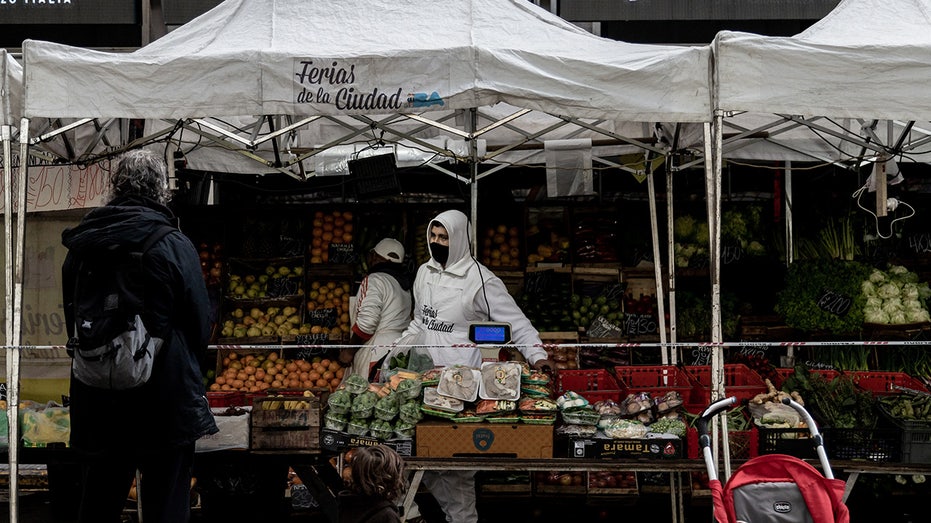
[(280, 82), (848, 89)]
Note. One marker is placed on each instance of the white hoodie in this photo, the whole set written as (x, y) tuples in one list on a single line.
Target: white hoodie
[(447, 300)]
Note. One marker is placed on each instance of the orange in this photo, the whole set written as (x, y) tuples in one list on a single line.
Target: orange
[(321, 382), (334, 383), (325, 363), (339, 373)]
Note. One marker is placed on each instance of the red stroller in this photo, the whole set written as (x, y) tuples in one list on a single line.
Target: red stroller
[(774, 488)]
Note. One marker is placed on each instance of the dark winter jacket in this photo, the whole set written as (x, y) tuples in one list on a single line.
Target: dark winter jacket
[(171, 409), (361, 509)]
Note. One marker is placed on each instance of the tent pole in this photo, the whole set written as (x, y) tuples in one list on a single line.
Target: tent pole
[(790, 240), (657, 262), (713, 193), (13, 356), (671, 257), (473, 177)]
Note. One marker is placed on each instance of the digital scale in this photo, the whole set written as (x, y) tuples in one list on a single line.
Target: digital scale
[(490, 333)]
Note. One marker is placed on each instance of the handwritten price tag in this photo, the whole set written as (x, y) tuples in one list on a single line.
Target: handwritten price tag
[(639, 324), (834, 302)]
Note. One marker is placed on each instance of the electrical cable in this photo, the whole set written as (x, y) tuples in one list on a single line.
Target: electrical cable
[(892, 204)]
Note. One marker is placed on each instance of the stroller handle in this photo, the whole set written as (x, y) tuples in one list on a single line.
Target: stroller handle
[(707, 414)]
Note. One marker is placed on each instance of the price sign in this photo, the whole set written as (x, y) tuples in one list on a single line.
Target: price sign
[(701, 356), (834, 302), (322, 317), (731, 252), (920, 243), (538, 282), (615, 291), (309, 353), (342, 253), (281, 286), (602, 328), (639, 324), (290, 246)]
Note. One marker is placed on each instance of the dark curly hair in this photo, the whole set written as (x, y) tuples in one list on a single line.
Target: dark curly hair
[(377, 472), (140, 173)]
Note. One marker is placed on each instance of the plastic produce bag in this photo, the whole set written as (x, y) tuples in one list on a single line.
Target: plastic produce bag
[(41, 426)]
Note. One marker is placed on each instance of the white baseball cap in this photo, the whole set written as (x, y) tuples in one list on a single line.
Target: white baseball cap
[(390, 249)]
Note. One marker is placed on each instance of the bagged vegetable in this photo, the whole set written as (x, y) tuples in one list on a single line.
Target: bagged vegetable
[(356, 384), (387, 408), (340, 401), (625, 429), (381, 429), (363, 405)]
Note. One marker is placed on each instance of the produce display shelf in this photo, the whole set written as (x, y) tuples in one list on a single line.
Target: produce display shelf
[(739, 381), (592, 384)]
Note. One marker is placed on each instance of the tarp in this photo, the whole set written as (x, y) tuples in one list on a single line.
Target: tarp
[(866, 59), (368, 57), (11, 89)]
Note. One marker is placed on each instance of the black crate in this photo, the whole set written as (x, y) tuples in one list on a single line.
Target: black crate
[(794, 442), (882, 445)]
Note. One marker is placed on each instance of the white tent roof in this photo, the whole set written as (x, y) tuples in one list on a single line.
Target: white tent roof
[(11, 89), (867, 58), (246, 57)]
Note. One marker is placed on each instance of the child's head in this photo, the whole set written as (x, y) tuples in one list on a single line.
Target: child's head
[(377, 472)]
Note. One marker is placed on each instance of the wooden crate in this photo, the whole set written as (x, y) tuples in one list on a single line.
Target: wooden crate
[(285, 428)]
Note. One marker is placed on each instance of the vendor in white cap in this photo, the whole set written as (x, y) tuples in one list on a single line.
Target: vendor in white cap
[(383, 308)]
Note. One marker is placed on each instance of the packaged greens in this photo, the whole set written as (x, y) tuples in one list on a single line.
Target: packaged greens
[(381, 429), (363, 405), (356, 384), (404, 429), (410, 412), (334, 421), (387, 408), (357, 427), (409, 389), (340, 401)]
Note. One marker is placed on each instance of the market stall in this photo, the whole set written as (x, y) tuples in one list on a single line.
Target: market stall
[(850, 83), (444, 77)]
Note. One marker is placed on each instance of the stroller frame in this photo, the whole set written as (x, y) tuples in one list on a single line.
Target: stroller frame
[(774, 488)]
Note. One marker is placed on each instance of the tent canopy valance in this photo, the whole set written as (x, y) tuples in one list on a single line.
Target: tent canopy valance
[(251, 57)]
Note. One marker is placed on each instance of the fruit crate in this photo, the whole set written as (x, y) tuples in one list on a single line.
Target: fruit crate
[(782, 373), (915, 438), (560, 483), (739, 381), (223, 399), (883, 445), (885, 383), (656, 380), (283, 428), (592, 384)]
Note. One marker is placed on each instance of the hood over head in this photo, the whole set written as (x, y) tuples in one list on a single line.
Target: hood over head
[(124, 222), (457, 227)]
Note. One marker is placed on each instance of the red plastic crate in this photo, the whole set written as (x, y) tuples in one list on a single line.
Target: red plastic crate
[(742, 444), (223, 399), (655, 380), (882, 383), (783, 373), (739, 381), (592, 384)]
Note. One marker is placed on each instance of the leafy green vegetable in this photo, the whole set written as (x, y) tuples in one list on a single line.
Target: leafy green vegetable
[(801, 302)]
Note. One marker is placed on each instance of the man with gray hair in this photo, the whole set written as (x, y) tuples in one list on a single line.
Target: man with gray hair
[(151, 427)]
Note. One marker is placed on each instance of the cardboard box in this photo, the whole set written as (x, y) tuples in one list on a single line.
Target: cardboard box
[(336, 441), (446, 440), (646, 448)]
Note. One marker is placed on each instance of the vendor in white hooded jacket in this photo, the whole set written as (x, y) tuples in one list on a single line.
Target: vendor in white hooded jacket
[(452, 290)]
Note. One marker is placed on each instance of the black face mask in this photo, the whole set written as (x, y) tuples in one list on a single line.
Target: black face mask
[(439, 252)]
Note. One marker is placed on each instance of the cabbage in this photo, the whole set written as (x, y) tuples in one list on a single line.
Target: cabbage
[(684, 227), (888, 290), (898, 318), (917, 316), (892, 306), (909, 305), (877, 276), (868, 288), (898, 270), (910, 291), (875, 316), (874, 302)]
